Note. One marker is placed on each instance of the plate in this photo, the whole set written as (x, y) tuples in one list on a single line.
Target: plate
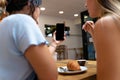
[(64, 70)]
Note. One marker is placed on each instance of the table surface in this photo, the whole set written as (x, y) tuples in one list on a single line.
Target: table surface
[(91, 72)]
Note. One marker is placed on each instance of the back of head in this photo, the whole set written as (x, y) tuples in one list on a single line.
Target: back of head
[(110, 6), (17, 5), (14, 6)]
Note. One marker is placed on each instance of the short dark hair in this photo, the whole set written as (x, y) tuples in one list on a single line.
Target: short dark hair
[(17, 5)]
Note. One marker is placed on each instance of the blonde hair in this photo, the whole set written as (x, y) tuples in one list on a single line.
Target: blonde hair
[(3, 12), (110, 7)]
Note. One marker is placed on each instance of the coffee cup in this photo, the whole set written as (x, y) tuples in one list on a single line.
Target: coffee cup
[(81, 62)]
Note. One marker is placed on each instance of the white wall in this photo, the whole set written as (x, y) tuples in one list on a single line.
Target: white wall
[(73, 41)]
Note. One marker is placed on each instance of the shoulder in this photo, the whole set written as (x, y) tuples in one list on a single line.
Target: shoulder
[(105, 22), (19, 23), (19, 18), (105, 27)]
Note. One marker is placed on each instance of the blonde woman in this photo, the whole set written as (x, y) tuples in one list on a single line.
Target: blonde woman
[(106, 35)]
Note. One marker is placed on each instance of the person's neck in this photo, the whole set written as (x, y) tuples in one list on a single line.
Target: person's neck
[(19, 12)]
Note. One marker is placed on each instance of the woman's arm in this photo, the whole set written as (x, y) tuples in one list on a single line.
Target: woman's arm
[(52, 47), (42, 62)]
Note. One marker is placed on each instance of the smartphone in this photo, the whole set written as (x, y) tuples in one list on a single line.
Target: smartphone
[(60, 31)]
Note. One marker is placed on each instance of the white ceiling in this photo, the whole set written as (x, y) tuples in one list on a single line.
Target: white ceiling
[(70, 7)]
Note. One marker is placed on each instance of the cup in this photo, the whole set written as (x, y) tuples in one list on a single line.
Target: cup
[(81, 62)]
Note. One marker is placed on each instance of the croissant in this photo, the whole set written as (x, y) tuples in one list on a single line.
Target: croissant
[(73, 65)]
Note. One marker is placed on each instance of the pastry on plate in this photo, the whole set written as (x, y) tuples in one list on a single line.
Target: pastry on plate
[(73, 65)]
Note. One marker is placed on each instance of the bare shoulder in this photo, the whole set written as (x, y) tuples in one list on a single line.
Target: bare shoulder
[(105, 27), (106, 22)]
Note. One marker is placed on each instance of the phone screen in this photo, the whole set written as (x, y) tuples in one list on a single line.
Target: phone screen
[(60, 31)]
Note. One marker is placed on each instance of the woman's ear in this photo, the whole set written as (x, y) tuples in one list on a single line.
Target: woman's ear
[(27, 8), (28, 3)]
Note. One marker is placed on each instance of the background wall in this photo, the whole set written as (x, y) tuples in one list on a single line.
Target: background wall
[(75, 38)]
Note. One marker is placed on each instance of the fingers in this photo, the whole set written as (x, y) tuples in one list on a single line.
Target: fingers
[(88, 26), (90, 23)]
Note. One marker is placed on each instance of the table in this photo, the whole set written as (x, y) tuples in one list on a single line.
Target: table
[(90, 74)]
